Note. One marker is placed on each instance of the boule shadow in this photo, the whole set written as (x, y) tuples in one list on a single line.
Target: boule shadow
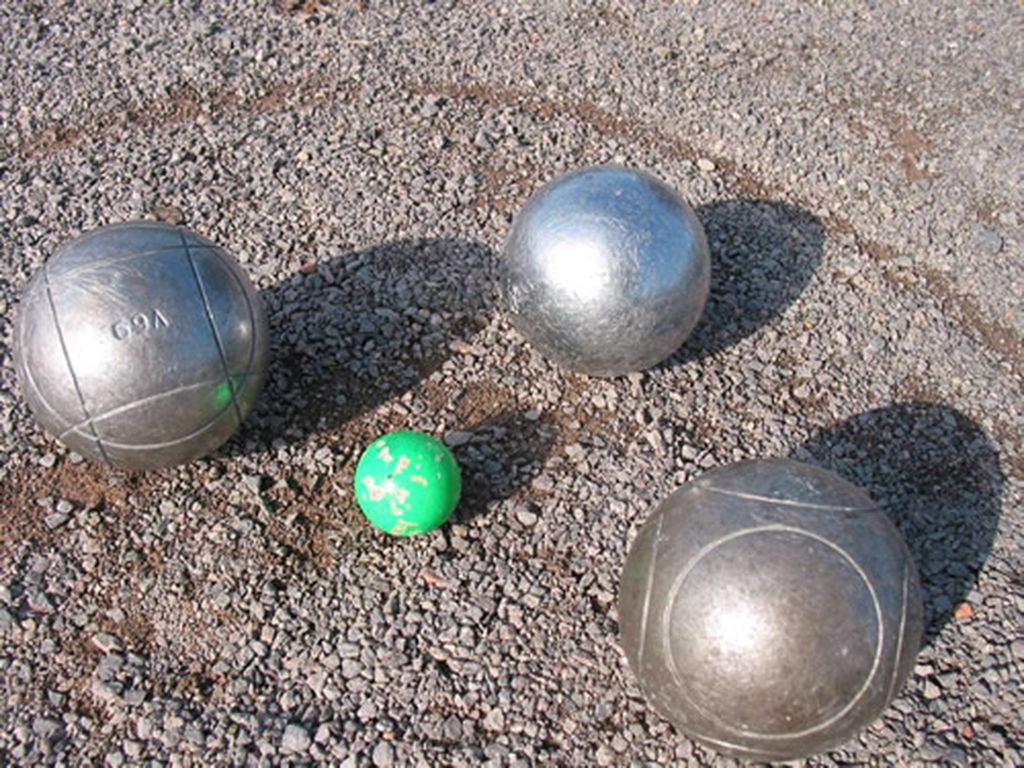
[(939, 477), (763, 255), (353, 332)]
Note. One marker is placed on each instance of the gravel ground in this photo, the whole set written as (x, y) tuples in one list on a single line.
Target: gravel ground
[(859, 171)]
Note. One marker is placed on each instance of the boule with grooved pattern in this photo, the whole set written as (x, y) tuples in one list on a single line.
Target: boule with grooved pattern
[(770, 609), (141, 344)]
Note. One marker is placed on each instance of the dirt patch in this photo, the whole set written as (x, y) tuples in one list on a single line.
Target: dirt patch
[(87, 485), (482, 401), (304, 515), (964, 310), (181, 106), (603, 121), (910, 146), (273, 99), (307, 7), (577, 417), (504, 189), (996, 336)]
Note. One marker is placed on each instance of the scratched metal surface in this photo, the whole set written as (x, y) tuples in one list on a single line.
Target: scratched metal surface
[(605, 271), (141, 345), (770, 609)]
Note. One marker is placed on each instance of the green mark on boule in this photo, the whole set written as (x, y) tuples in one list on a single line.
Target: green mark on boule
[(394, 495), (222, 394)]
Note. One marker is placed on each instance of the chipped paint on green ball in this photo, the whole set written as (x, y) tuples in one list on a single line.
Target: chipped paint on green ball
[(407, 483)]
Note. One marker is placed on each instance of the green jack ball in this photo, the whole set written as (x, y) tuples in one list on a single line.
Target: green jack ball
[(407, 483)]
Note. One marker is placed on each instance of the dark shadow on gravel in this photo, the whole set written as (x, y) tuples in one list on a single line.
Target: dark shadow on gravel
[(763, 254), (506, 452), (351, 333), (938, 476)]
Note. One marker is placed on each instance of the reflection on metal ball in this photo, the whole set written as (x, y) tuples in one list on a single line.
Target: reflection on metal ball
[(141, 344), (770, 609), (606, 271)]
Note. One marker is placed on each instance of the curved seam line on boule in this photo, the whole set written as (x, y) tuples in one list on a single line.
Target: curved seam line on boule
[(71, 370), (219, 254), (149, 446), (169, 443), (788, 503), (92, 265), (647, 596), (706, 550), (30, 378), (213, 324), (899, 634), (150, 398), (748, 753)]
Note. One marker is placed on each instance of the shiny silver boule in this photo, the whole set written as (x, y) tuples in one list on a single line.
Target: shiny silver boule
[(141, 344), (770, 609), (606, 271)]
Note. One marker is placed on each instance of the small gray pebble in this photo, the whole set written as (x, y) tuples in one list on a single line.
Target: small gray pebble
[(296, 739), (454, 438), (46, 728), (383, 755), (543, 483), (1017, 649), (107, 642), (526, 517), (495, 720)]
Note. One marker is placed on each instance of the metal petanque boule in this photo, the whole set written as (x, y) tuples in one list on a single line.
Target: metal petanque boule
[(141, 344), (770, 609), (606, 270)]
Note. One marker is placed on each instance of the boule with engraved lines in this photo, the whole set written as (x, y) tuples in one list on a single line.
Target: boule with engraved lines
[(141, 344), (770, 609)]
